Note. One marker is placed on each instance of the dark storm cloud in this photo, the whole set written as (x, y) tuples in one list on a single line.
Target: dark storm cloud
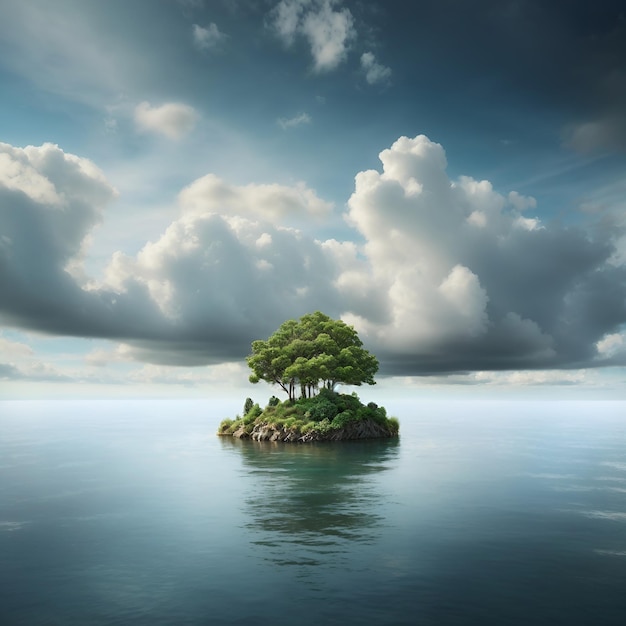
[(559, 279)]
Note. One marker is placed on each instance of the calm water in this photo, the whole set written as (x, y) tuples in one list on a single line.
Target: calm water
[(493, 513)]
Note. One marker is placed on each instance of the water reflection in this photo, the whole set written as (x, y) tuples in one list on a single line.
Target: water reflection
[(308, 502)]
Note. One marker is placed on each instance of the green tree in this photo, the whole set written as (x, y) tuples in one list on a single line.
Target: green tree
[(247, 407), (312, 351)]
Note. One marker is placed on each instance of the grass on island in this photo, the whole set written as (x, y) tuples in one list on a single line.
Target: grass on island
[(326, 412)]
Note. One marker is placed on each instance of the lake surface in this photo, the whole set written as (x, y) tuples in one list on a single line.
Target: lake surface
[(480, 513)]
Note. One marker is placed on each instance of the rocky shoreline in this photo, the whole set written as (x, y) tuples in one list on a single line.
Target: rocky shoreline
[(361, 429)]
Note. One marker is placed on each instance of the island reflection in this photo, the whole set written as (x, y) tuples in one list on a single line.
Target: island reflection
[(308, 502)]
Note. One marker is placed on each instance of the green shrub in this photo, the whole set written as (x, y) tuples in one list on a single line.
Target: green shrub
[(273, 401), (292, 423), (224, 426), (363, 413), (326, 412), (394, 425), (348, 403), (252, 414), (228, 426), (342, 419), (324, 426), (322, 409), (306, 402), (379, 415), (329, 394), (291, 410)]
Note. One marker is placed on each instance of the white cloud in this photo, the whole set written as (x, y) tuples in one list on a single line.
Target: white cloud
[(520, 202), (172, 119), (34, 371), (16, 173), (441, 275), (14, 350), (66, 193), (534, 378), (458, 267), (102, 357), (291, 122), (374, 72), (462, 290), (329, 32), (287, 15), (209, 272), (200, 289), (328, 29), (527, 223), (18, 361), (119, 365), (478, 219), (271, 202), (208, 38), (264, 241), (43, 173), (224, 375), (508, 380), (611, 344)]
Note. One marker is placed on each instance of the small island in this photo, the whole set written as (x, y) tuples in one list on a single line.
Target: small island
[(308, 358)]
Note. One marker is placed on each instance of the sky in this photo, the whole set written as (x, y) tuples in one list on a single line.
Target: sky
[(178, 177)]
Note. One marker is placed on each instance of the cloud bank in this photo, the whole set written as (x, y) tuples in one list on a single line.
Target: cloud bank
[(447, 275), (470, 283)]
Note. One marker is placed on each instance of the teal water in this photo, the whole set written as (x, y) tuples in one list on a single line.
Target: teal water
[(484, 513)]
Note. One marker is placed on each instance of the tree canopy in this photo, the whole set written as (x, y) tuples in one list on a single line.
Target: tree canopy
[(312, 351)]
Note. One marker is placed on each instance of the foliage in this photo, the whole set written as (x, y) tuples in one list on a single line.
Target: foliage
[(254, 412), (312, 351), (394, 425), (342, 419), (313, 355), (320, 407), (224, 426), (229, 426), (327, 412)]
